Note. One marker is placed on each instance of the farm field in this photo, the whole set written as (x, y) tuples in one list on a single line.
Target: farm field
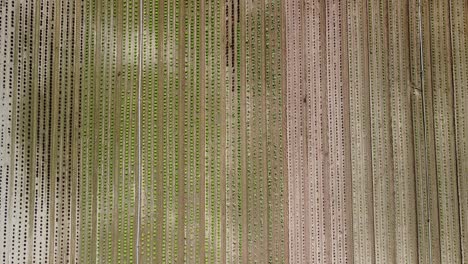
[(233, 131)]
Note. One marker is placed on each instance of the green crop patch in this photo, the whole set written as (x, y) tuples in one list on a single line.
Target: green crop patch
[(233, 131)]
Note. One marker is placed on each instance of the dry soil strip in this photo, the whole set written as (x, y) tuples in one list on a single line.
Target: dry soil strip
[(382, 165), (402, 133), (295, 136), (339, 129), (459, 38), (443, 101), (361, 151)]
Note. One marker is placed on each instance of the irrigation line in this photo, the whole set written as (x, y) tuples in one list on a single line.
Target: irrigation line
[(421, 74), (140, 65)]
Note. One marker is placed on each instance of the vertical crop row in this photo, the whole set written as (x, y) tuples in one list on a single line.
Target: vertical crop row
[(275, 147), (151, 199), (213, 119), (128, 139), (87, 134), (256, 134), (192, 132), (233, 135)]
